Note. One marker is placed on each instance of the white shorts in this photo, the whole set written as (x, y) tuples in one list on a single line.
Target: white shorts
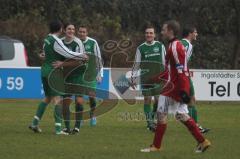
[(170, 106)]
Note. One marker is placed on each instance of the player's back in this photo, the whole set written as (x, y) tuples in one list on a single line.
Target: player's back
[(176, 57), (188, 48), (50, 55)]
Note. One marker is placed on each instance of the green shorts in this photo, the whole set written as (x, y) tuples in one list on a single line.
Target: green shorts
[(90, 81), (192, 91), (74, 85), (148, 87), (54, 85), (90, 86)]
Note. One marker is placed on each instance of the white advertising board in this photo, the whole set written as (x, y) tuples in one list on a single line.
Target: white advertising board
[(209, 85), (216, 85)]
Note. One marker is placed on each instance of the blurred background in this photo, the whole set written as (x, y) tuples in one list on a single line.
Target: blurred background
[(217, 21)]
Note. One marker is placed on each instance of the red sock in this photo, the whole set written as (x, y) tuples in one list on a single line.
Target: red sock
[(192, 127), (160, 130)]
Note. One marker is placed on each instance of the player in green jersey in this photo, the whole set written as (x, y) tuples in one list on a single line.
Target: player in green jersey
[(189, 35), (75, 77), (53, 85), (93, 74), (147, 54), (94, 70)]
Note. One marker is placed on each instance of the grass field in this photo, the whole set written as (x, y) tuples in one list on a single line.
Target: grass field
[(114, 137)]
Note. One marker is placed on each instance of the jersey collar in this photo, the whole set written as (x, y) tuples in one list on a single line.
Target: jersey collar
[(187, 40), (85, 40), (68, 42), (54, 35), (153, 42)]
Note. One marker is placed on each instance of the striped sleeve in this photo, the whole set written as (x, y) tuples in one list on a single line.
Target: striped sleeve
[(60, 48), (175, 53), (163, 55), (80, 47), (99, 61), (188, 47), (189, 52), (179, 55)]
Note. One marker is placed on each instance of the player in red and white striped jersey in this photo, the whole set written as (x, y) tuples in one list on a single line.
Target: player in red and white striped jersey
[(175, 100)]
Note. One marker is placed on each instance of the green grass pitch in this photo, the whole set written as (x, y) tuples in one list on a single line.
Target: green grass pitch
[(114, 137)]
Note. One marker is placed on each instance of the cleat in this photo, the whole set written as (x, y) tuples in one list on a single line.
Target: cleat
[(62, 133), (75, 131), (203, 146), (66, 130), (151, 127), (35, 129), (93, 121), (152, 148), (203, 130)]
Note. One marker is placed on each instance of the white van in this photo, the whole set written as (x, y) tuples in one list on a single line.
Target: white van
[(12, 53)]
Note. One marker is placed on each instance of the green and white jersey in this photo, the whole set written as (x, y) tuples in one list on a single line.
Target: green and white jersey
[(147, 55), (55, 50), (75, 45), (189, 48), (95, 64)]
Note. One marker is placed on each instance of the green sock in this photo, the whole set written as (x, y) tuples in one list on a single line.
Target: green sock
[(58, 118), (148, 113), (193, 113), (40, 110), (92, 102), (78, 115), (66, 116)]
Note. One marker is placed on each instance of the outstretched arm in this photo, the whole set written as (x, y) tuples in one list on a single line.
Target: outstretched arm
[(60, 48), (67, 63)]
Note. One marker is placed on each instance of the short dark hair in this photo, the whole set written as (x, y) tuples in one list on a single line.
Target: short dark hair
[(67, 24), (150, 26), (174, 26), (187, 30), (55, 26), (83, 26)]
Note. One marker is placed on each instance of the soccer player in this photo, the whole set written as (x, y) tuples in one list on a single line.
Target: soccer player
[(93, 73), (54, 50), (147, 55), (174, 100), (189, 35), (74, 77)]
